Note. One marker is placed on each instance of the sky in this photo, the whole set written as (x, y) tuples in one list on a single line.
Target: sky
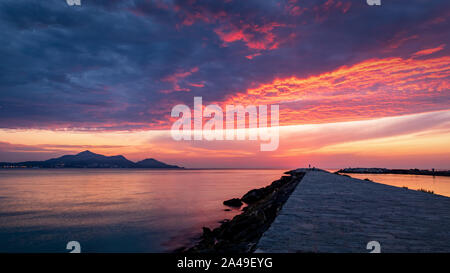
[(356, 85)]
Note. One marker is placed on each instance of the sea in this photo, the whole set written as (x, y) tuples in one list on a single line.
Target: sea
[(133, 210)]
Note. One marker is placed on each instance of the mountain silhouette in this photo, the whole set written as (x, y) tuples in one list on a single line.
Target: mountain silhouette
[(152, 163), (88, 159)]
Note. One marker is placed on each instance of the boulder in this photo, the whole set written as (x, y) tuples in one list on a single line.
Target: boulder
[(235, 202), (207, 232), (241, 234), (253, 196)]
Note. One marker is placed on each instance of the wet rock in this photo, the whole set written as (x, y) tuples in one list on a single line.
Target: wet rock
[(206, 232), (253, 196), (235, 202), (258, 194), (241, 234)]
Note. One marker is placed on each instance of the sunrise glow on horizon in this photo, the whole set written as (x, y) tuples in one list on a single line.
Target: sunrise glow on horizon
[(354, 86), (383, 142)]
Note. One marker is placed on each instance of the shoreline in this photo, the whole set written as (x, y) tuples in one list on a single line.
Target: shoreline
[(312, 210), (332, 213), (394, 171), (242, 233)]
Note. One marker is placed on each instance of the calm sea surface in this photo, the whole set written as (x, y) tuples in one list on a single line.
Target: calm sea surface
[(132, 210), (116, 210), (437, 184)]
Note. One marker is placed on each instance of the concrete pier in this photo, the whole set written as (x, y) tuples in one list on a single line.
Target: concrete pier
[(333, 213)]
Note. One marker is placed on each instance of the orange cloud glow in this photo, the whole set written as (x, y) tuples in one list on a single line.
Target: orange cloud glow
[(383, 142), (176, 77), (370, 89), (429, 51), (254, 36)]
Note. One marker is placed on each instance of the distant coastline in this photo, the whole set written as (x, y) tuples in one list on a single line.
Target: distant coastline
[(395, 171), (88, 159)]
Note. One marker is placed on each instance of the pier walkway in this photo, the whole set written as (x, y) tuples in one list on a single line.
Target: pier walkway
[(333, 213)]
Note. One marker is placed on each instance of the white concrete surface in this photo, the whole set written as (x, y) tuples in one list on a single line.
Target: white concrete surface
[(333, 213)]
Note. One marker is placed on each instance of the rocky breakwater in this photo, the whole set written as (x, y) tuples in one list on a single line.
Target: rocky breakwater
[(242, 233)]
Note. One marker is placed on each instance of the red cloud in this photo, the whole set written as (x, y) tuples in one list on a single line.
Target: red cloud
[(197, 84), (373, 88), (254, 36), (322, 11), (293, 8), (251, 56), (232, 27), (429, 51), (176, 77)]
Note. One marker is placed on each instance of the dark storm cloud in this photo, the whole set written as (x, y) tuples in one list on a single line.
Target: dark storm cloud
[(124, 64)]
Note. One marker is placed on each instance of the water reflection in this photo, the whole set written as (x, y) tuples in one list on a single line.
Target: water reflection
[(116, 210), (438, 184)]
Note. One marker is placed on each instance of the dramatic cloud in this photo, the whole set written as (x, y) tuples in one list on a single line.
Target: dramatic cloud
[(122, 65), (373, 88), (418, 140)]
